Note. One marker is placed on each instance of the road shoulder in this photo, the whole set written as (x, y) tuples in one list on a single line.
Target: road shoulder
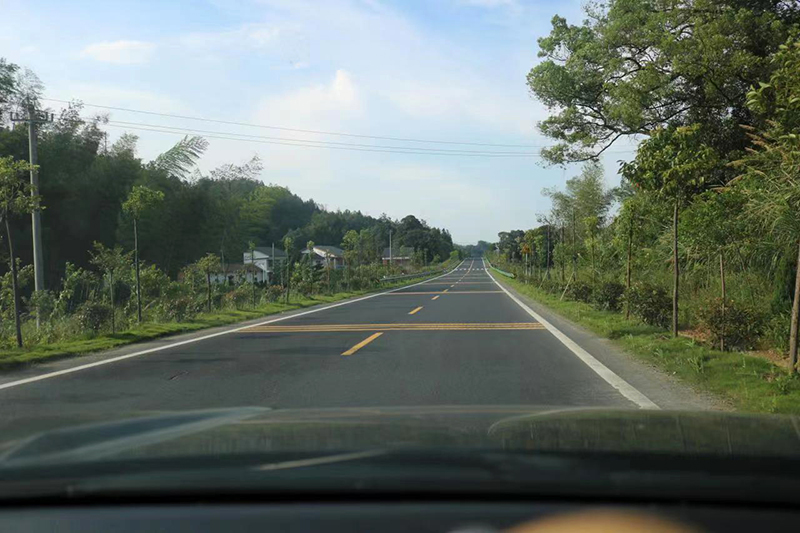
[(668, 392)]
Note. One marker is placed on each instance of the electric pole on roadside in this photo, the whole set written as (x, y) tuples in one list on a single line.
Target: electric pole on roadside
[(33, 118)]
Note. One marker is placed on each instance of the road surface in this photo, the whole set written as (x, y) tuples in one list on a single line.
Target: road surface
[(458, 339)]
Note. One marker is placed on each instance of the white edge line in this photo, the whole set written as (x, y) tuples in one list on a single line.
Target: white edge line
[(626, 389), (198, 339)]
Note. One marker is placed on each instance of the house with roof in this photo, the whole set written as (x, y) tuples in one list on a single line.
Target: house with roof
[(326, 256), (397, 255), (267, 260), (235, 273)]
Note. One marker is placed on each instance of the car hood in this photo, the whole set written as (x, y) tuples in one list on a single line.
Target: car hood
[(257, 430)]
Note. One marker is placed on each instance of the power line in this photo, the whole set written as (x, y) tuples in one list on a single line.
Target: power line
[(323, 143), (303, 144), (297, 130)]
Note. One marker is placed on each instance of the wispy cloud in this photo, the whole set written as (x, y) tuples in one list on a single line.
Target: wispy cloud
[(120, 52)]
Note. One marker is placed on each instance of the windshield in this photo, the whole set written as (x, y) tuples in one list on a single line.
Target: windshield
[(262, 227)]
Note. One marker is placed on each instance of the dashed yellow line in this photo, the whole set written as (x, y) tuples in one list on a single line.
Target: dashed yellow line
[(363, 343), (417, 310), (435, 297)]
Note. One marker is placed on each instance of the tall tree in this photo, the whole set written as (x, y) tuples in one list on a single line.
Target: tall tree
[(770, 172), (140, 200), (637, 65), (675, 164), (15, 199)]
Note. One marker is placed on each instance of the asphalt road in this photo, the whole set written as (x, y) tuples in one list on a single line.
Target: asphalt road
[(458, 339)]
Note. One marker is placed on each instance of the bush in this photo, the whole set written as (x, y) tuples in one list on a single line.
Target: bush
[(92, 316), (42, 304), (740, 326), (650, 303), (550, 285), (273, 293), (608, 296), (238, 298), (580, 291), (177, 309)]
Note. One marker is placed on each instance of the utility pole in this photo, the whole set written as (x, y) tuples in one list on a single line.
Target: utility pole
[(272, 260), (390, 250), (33, 119)]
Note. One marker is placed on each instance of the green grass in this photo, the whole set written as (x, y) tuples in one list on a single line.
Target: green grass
[(747, 382), (14, 358)]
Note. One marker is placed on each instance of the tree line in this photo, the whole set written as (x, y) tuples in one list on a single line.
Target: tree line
[(101, 202), (705, 226)]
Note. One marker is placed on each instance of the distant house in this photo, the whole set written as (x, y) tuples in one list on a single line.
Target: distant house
[(235, 273), (399, 255), (326, 256), (263, 259)]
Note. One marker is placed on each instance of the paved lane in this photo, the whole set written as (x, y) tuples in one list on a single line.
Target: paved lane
[(456, 339)]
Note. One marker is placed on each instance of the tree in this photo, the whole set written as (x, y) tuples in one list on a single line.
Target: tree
[(770, 171), (310, 248), (140, 200), (181, 158), (15, 199), (111, 261), (251, 247), (637, 65), (208, 264), (288, 246), (675, 164)]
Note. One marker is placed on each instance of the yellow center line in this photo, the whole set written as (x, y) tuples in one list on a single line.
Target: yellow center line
[(440, 292), (435, 296), (445, 326), (418, 309), (363, 343)]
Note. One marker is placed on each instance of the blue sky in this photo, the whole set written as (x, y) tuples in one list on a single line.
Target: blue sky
[(450, 70)]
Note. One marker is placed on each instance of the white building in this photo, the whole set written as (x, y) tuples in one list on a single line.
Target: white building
[(262, 258), (326, 255)]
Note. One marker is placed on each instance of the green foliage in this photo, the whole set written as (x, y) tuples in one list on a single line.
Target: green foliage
[(650, 303), (580, 291), (140, 200), (93, 316), (633, 66), (739, 325), (608, 296)]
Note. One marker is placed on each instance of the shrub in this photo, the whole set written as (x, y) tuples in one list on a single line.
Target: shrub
[(608, 296), (177, 309), (273, 293), (740, 326), (42, 304), (550, 285), (238, 298), (580, 291), (92, 316), (650, 303)]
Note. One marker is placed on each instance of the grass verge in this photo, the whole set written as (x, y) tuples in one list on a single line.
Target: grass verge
[(15, 358), (750, 383)]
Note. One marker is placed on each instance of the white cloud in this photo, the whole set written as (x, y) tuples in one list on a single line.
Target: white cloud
[(120, 52), (314, 106)]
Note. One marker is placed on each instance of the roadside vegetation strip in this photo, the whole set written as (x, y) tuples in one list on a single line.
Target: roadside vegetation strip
[(749, 383), (503, 272), (15, 358)]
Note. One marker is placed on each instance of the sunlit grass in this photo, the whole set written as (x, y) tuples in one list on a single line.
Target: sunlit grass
[(747, 382)]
